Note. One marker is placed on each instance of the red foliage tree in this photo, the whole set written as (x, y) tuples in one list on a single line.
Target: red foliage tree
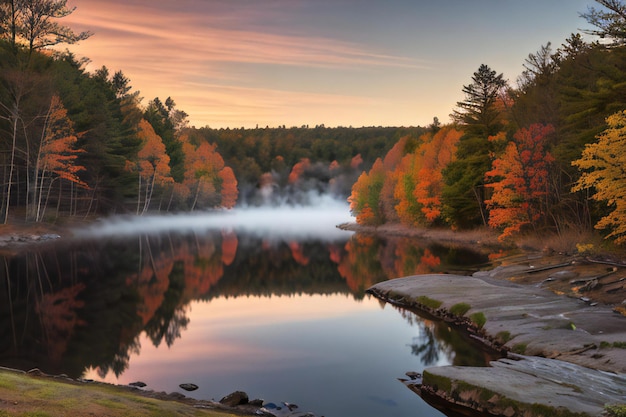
[(519, 180)]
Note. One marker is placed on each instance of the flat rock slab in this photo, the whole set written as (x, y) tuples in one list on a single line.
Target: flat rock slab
[(535, 321), (529, 386)]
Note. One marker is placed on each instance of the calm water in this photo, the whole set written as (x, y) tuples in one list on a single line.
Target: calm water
[(265, 301)]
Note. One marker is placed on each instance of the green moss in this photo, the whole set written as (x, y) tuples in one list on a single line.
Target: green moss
[(503, 336), (619, 345), (454, 388), (442, 383), (459, 309), (429, 302), (519, 348), (478, 319), (615, 410), (546, 410)]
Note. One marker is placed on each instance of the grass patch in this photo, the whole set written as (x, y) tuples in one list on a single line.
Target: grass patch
[(606, 345), (519, 348), (504, 336), (617, 410), (111, 403), (478, 319), (459, 309), (429, 302)]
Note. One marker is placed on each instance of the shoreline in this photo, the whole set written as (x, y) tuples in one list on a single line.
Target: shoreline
[(61, 395), (557, 346), (572, 338)]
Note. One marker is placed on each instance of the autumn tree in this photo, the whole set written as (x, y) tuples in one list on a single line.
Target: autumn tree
[(602, 164), (519, 180), (436, 154), (406, 176), (365, 198), (210, 181), (229, 191), (55, 159), (152, 166), (167, 122), (480, 115)]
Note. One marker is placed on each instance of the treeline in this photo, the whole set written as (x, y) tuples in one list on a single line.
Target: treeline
[(292, 165), (546, 154)]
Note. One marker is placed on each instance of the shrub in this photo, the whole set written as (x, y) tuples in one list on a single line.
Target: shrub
[(460, 309), (617, 410), (519, 348), (478, 319), (503, 336), (429, 302)]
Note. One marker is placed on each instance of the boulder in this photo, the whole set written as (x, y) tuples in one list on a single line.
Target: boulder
[(235, 398)]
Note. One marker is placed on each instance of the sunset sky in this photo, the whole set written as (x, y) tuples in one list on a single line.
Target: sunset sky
[(243, 63)]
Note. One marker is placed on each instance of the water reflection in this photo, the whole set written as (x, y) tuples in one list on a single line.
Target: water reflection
[(82, 305), (96, 303)]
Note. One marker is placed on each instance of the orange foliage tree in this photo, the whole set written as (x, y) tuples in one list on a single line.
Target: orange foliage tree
[(212, 183), (406, 178), (298, 169), (519, 180), (229, 191), (436, 154), (152, 165), (365, 198), (55, 158)]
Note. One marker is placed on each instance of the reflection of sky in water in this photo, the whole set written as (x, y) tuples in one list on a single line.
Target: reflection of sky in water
[(286, 222), (332, 355)]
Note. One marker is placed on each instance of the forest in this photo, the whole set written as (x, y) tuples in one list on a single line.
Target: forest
[(545, 155), (542, 154)]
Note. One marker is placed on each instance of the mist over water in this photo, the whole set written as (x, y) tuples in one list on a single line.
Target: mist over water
[(316, 220)]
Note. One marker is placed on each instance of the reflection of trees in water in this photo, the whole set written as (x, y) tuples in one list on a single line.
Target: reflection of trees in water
[(67, 308), (435, 338), (427, 345), (120, 360)]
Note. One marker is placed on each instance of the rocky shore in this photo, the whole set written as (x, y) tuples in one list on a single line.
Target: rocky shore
[(23, 393), (558, 321)]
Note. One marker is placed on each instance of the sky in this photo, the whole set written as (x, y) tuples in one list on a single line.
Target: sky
[(249, 63)]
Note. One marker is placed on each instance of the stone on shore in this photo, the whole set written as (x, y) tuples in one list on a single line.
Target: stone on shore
[(235, 398), (580, 364), (535, 321), (523, 387)]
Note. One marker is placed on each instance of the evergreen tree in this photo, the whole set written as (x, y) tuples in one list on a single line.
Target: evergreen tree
[(481, 116)]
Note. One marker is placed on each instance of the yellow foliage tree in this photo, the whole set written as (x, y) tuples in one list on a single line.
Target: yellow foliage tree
[(603, 164)]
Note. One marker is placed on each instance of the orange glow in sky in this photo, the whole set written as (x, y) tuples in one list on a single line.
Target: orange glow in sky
[(211, 323), (237, 63)]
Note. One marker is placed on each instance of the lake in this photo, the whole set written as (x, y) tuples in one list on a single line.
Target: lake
[(268, 301)]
